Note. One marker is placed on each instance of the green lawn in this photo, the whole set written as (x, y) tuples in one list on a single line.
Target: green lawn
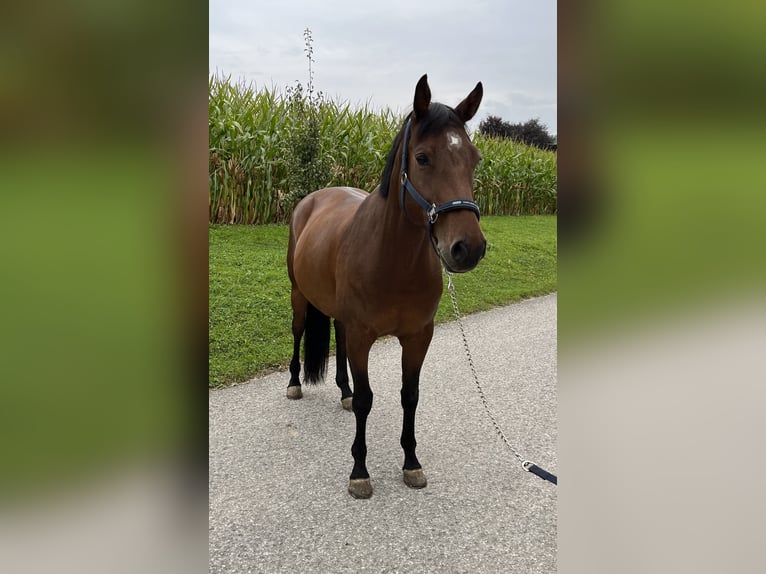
[(250, 314)]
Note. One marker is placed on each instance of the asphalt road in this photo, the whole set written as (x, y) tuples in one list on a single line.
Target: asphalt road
[(279, 468)]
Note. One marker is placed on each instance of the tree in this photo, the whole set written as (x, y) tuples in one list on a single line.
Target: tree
[(532, 132)]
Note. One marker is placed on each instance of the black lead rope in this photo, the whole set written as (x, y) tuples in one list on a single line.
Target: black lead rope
[(544, 474), (527, 465)]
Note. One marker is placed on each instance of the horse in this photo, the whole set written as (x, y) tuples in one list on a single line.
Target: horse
[(372, 262)]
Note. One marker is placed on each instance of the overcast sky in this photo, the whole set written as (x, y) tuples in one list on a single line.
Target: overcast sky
[(375, 52)]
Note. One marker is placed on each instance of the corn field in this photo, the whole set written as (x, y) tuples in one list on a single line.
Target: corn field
[(253, 136), (514, 178)]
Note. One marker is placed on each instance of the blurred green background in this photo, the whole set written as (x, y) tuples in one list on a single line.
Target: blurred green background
[(662, 271), (89, 343), (666, 104), (102, 265)]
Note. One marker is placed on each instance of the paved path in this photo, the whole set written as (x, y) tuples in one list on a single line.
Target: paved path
[(279, 468)]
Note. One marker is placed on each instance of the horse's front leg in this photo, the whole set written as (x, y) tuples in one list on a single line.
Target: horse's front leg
[(358, 344), (414, 348)]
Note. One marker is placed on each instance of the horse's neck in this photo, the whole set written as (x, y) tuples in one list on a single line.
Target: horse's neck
[(384, 225)]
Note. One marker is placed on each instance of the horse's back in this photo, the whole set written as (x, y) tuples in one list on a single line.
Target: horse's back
[(318, 225), (325, 212), (330, 203)]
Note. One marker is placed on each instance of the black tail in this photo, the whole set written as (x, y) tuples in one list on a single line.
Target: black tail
[(316, 345)]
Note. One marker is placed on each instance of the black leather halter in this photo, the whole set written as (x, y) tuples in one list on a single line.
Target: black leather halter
[(432, 210)]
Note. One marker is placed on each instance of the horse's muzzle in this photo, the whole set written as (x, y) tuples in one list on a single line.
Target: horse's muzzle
[(463, 256)]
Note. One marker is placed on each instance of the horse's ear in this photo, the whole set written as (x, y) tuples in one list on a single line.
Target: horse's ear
[(469, 106), (422, 97)]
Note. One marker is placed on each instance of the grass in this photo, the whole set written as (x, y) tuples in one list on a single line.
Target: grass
[(250, 314)]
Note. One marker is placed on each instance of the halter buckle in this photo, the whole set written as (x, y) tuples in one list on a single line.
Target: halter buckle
[(433, 215)]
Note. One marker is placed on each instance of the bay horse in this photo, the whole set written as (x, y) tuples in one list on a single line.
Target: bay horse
[(372, 263)]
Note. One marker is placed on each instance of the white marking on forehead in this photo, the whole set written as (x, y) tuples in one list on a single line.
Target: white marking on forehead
[(454, 140)]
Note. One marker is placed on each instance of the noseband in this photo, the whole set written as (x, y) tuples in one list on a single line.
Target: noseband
[(432, 210)]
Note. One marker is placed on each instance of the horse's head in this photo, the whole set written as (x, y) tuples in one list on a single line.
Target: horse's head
[(438, 165)]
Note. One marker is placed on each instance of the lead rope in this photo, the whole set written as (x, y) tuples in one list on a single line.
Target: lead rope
[(527, 465)]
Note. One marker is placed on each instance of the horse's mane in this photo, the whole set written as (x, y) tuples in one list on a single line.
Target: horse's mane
[(438, 118)]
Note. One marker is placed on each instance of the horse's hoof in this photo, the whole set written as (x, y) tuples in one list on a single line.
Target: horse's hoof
[(347, 403), (360, 487), (414, 478), (294, 392)]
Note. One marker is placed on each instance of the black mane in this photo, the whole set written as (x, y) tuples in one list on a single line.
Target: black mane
[(438, 118)]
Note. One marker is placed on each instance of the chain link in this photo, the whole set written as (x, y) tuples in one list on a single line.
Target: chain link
[(501, 434)]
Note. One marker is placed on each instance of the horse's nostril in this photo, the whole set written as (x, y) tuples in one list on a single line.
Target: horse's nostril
[(459, 251)]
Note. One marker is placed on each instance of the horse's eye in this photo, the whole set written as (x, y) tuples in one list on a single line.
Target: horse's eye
[(422, 159)]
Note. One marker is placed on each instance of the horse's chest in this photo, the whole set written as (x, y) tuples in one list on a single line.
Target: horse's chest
[(407, 309)]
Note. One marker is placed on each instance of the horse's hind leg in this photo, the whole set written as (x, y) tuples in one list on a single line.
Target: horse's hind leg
[(299, 304), (414, 350), (341, 371)]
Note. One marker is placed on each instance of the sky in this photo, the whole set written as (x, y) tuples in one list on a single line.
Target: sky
[(374, 52)]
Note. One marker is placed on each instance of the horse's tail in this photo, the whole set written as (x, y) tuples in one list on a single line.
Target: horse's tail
[(316, 345)]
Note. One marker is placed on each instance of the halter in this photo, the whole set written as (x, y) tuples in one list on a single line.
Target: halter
[(432, 210)]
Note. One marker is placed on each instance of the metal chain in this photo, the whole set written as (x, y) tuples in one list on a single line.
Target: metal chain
[(501, 434)]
